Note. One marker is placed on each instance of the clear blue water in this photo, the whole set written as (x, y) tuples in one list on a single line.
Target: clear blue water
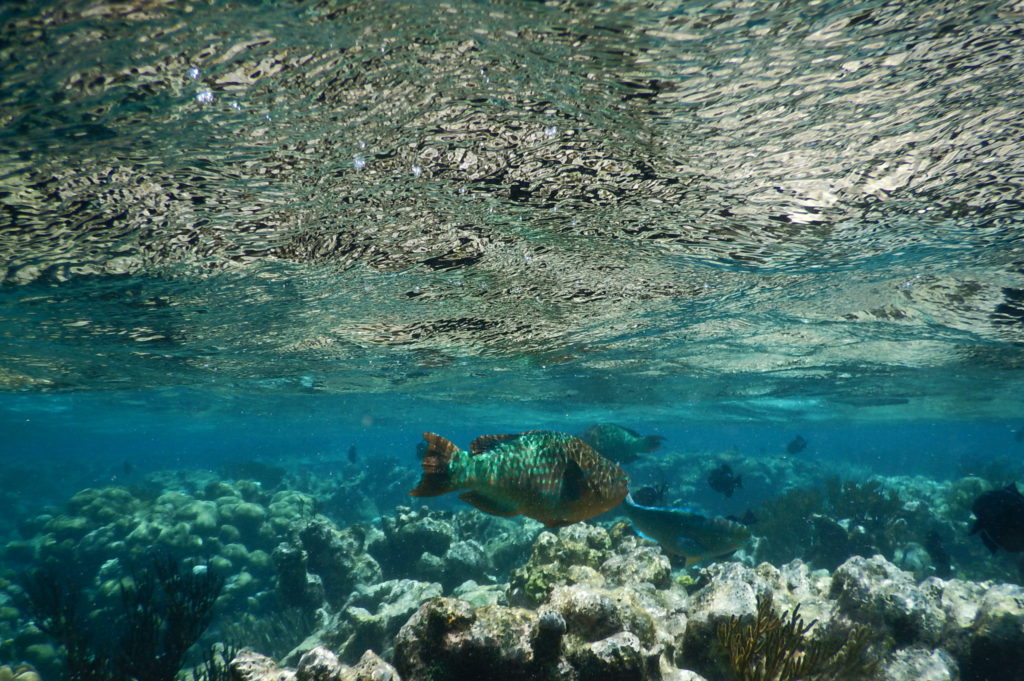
[(265, 231)]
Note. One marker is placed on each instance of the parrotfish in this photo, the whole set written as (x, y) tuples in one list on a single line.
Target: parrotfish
[(691, 535), (619, 444), (555, 478), (999, 519)]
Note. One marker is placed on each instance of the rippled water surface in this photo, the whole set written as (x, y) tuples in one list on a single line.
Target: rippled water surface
[(743, 210)]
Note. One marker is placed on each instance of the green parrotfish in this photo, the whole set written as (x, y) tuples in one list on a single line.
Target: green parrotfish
[(691, 535), (555, 478), (620, 444)]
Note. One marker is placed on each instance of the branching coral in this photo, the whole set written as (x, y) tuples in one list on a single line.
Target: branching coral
[(774, 648), (165, 609)]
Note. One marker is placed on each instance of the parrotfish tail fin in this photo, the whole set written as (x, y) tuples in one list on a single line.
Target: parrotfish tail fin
[(652, 442), (436, 479)]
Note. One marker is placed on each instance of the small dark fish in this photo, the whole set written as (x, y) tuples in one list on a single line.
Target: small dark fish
[(723, 480), (622, 445), (651, 495), (747, 518), (691, 535), (353, 454), (127, 467), (555, 478), (999, 519), (796, 445)]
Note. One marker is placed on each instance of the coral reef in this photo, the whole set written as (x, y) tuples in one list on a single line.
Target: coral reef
[(442, 594), (225, 529), (599, 603)]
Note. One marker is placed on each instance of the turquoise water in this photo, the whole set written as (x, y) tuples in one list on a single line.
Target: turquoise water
[(245, 231)]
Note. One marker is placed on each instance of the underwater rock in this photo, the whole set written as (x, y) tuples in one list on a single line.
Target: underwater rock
[(919, 663), (408, 535), (619, 657), (295, 585), (338, 557), (579, 635), (378, 611), (635, 561), (370, 619), (485, 594), (318, 664), (874, 591), (22, 672), (593, 614), (587, 554), (248, 665), (464, 560), (997, 641)]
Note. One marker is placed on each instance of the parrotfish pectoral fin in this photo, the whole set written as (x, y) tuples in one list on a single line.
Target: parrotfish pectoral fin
[(692, 550), (489, 505), (574, 482)]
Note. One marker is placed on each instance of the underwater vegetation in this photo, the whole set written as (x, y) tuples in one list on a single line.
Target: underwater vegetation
[(164, 608), (776, 648), (827, 525)]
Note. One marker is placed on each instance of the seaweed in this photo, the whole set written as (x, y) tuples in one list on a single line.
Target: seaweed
[(776, 648), (216, 664), (844, 519), (862, 501), (56, 604), (167, 608), (164, 610)]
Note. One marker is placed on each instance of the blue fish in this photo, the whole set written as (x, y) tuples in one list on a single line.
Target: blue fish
[(691, 535)]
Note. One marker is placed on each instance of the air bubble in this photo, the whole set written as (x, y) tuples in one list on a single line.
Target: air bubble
[(204, 96), (359, 161)]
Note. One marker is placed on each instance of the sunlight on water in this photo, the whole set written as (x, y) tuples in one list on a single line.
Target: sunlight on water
[(760, 202)]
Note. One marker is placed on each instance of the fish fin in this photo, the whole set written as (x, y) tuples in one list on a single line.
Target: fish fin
[(436, 479), (652, 442), (574, 482), (641, 533), (990, 543), (557, 523), (485, 443), (488, 505), (975, 527)]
